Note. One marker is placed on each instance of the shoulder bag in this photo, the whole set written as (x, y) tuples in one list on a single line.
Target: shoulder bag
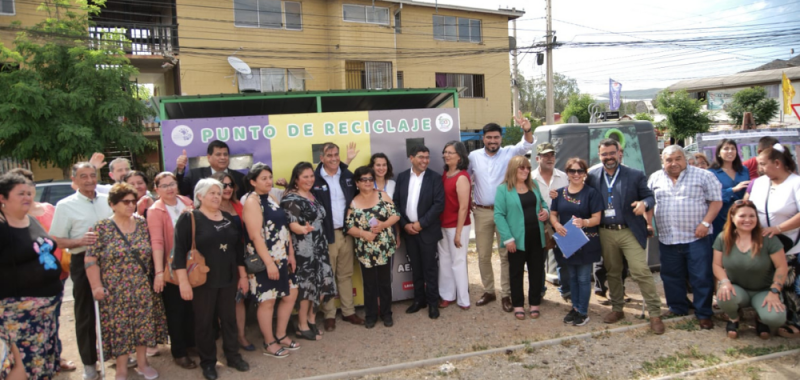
[(137, 255), (196, 268), (253, 263)]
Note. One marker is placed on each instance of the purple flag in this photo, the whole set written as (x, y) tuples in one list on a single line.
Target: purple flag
[(614, 91)]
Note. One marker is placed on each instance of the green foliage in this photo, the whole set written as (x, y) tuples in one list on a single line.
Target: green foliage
[(532, 93), (752, 100), (578, 106), (684, 116), (644, 116), (72, 95)]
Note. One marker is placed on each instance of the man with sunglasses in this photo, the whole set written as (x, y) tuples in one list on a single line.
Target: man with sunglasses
[(549, 180), (687, 201), (218, 161), (623, 230)]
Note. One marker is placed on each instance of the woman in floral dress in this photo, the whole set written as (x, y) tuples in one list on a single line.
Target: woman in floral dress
[(268, 237), (118, 265), (369, 220), (314, 273)]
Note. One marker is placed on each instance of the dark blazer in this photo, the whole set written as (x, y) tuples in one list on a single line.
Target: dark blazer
[(429, 206), (631, 186), (188, 180), (323, 194)]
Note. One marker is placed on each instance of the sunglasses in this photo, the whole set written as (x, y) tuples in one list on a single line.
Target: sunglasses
[(128, 202), (227, 186), (741, 202), (366, 179), (528, 168), (576, 171)]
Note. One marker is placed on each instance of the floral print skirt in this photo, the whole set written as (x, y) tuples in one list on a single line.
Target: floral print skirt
[(265, 289), (29, 323)]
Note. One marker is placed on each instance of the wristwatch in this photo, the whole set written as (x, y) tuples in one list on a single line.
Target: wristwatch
[(706, 224), (775, 290)]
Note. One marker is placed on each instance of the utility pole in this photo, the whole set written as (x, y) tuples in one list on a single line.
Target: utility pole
[(550, 102), (514, 82)]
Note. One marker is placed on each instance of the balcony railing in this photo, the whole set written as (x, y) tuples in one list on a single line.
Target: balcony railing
[(137, 38)]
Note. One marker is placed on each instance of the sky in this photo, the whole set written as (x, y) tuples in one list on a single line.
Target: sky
[(637, 20)]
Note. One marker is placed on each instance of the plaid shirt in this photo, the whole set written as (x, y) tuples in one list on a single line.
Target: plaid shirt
[(681, 206)]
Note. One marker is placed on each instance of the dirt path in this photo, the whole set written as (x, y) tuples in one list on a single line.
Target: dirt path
[(416, 337)]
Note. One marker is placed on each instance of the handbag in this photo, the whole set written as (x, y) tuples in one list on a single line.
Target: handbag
[(151, 276), (196, 268), (787, 242), (253, 263)]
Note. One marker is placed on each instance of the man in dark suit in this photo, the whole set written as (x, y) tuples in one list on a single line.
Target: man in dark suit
[(624, 231), (419, 196), (218, 159)]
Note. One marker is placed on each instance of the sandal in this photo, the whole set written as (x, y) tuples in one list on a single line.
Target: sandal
[(306, 334), (535, 314), (280, 354), (291, 346), (733, 329), (519, 315), (789, 330), (762, 330), (313, 327)]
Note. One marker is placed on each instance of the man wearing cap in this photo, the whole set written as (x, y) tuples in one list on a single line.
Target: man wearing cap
[(549, 180), (487, 167)]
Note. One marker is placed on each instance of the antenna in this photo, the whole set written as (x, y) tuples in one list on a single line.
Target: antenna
[(239, 65)]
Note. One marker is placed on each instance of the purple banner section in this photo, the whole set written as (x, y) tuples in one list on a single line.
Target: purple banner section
[(247, 135)]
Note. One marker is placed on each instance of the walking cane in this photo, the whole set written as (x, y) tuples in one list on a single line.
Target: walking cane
[(99, 339)]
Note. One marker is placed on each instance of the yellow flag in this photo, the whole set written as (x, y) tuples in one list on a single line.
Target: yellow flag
[(788, 94)]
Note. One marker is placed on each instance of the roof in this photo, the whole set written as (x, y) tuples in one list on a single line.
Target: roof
[(737, 80), (510, 13), (277, 103)]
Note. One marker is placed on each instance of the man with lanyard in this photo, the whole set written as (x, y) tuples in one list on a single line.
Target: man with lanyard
[(549, 180), (75, 215), (335, 188), (687, 201), (487, 167), (623, 231)]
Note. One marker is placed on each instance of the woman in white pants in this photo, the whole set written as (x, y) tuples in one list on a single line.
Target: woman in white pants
[(453, 278)]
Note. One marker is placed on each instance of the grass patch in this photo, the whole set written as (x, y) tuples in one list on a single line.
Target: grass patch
[(688, 325), (513, 358), (605, 334), (751, 351), (479, 347), (446, 374), (531, 366), (625, 323), (678, 362), (569, 342), (528, 349)]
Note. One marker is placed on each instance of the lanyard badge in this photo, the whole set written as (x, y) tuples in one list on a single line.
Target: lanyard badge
[(610, 212)]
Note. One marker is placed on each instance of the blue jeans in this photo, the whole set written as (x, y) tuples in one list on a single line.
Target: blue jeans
[(565, 278), (580, 285), (692, 260)]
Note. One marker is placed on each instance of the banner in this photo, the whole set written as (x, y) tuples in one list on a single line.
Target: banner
[(788, 95), (719, 99), (614, 93), (281, 141)]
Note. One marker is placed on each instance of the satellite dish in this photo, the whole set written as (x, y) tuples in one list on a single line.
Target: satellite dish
[(239, 65)]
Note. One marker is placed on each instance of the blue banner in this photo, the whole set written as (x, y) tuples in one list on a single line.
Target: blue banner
[(614, 91)]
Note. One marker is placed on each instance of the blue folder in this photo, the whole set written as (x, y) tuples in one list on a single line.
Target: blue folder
[(574, 240)]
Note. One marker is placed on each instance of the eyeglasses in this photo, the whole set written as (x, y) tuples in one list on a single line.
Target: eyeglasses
[(609, 154), (227, 186), (528, 168), (576, 171), (448, 153), (366, 179), (128, 202), (168, 185)]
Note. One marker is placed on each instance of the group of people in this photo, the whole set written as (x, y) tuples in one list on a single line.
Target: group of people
[(181, 265)]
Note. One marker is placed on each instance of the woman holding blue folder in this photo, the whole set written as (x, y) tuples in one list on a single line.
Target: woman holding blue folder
[(583, 205)]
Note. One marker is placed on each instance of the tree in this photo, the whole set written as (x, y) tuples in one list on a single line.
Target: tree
[(644, 116), (578, 106), (514, 133), (684, 117), (71, 95), (533, 98), (755, 101)]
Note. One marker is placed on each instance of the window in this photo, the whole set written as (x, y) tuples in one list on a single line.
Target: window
[(450, 28), (365, 14), (273, 14), (472, 83), (400, 80), (368, 75), (273, 80), (7, 7), (397, 23)]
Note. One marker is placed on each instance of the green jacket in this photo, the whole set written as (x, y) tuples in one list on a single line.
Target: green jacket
[(509, 218)]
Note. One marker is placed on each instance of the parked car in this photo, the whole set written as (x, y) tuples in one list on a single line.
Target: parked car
[(52, 192)]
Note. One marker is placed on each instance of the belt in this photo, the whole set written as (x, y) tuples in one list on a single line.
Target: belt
[(338, 229), (491, 207), (614, 226)]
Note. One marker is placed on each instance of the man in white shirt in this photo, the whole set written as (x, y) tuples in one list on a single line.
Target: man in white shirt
[(487, 167), (549, 179), (73, 218)]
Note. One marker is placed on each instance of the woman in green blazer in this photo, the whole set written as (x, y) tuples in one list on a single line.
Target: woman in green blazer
[(519, 213)]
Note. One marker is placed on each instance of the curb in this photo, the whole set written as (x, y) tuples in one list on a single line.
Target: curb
[(737, 362), (450, 358)]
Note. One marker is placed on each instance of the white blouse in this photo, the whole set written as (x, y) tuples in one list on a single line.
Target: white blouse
[(784, 203)]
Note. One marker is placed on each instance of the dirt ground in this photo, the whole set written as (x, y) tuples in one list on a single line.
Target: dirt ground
[(416, 337)]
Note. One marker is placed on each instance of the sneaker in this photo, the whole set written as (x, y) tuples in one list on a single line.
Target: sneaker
[(148, 373), (570, 317), (580, 319), (90, 373)]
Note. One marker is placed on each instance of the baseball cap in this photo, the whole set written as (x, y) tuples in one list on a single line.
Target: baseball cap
[(544, 148)]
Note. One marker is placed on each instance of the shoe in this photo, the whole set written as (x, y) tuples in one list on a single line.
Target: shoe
[(210, 373), (249, 347), (762, 330), (354, 319), (443, 304), (67, 366), (330, 324), (507, 307), (614, 317), (733, 329), (706, 324), (152, 351), (132, 362), (465, 308), (600, 293), (580, 319), (280, 354), (388, 321), (416, 306), (567, 297), (185, 363), (148, 372), (570, 316), (90, 373), (657, 325), (369, 324), (240, 365), (486, 298), (433, 312)]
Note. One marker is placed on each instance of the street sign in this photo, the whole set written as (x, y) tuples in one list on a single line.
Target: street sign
[(610, 115)]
